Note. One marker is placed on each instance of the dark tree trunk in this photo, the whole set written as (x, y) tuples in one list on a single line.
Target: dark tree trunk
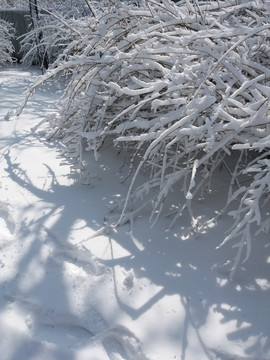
[(42, 55)]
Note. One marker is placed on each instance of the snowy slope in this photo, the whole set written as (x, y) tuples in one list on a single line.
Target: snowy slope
[(71, 288)]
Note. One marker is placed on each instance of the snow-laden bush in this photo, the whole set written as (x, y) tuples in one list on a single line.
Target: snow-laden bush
[(180, 88), (6, 47)]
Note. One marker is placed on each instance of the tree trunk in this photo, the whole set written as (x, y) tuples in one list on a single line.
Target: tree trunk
[(41, 53)]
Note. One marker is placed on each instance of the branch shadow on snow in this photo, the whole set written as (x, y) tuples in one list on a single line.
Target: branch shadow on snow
[(59, 315), (57, 321), (40, 276), (172, 263), (189, 267)]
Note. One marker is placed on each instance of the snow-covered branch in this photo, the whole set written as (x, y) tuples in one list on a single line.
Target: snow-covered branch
[(182, 86), (6, 47)]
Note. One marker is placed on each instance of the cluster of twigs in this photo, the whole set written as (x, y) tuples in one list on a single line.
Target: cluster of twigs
[(60, 26), (181, 87), (6, 46)]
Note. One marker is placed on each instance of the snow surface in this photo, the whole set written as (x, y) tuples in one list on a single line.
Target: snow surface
[(73, 289)]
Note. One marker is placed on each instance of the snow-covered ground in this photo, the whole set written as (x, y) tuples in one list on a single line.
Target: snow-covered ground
[(72, 289)]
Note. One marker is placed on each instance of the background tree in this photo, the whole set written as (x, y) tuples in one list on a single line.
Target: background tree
[(41, 52)]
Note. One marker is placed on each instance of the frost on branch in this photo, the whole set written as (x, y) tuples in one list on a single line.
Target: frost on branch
[(253, 210), (6, 47), (180, 89)]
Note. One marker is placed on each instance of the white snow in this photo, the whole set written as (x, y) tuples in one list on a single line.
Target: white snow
[(72, 288)]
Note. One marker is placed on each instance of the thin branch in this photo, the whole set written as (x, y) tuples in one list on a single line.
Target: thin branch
[(91, 8)]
